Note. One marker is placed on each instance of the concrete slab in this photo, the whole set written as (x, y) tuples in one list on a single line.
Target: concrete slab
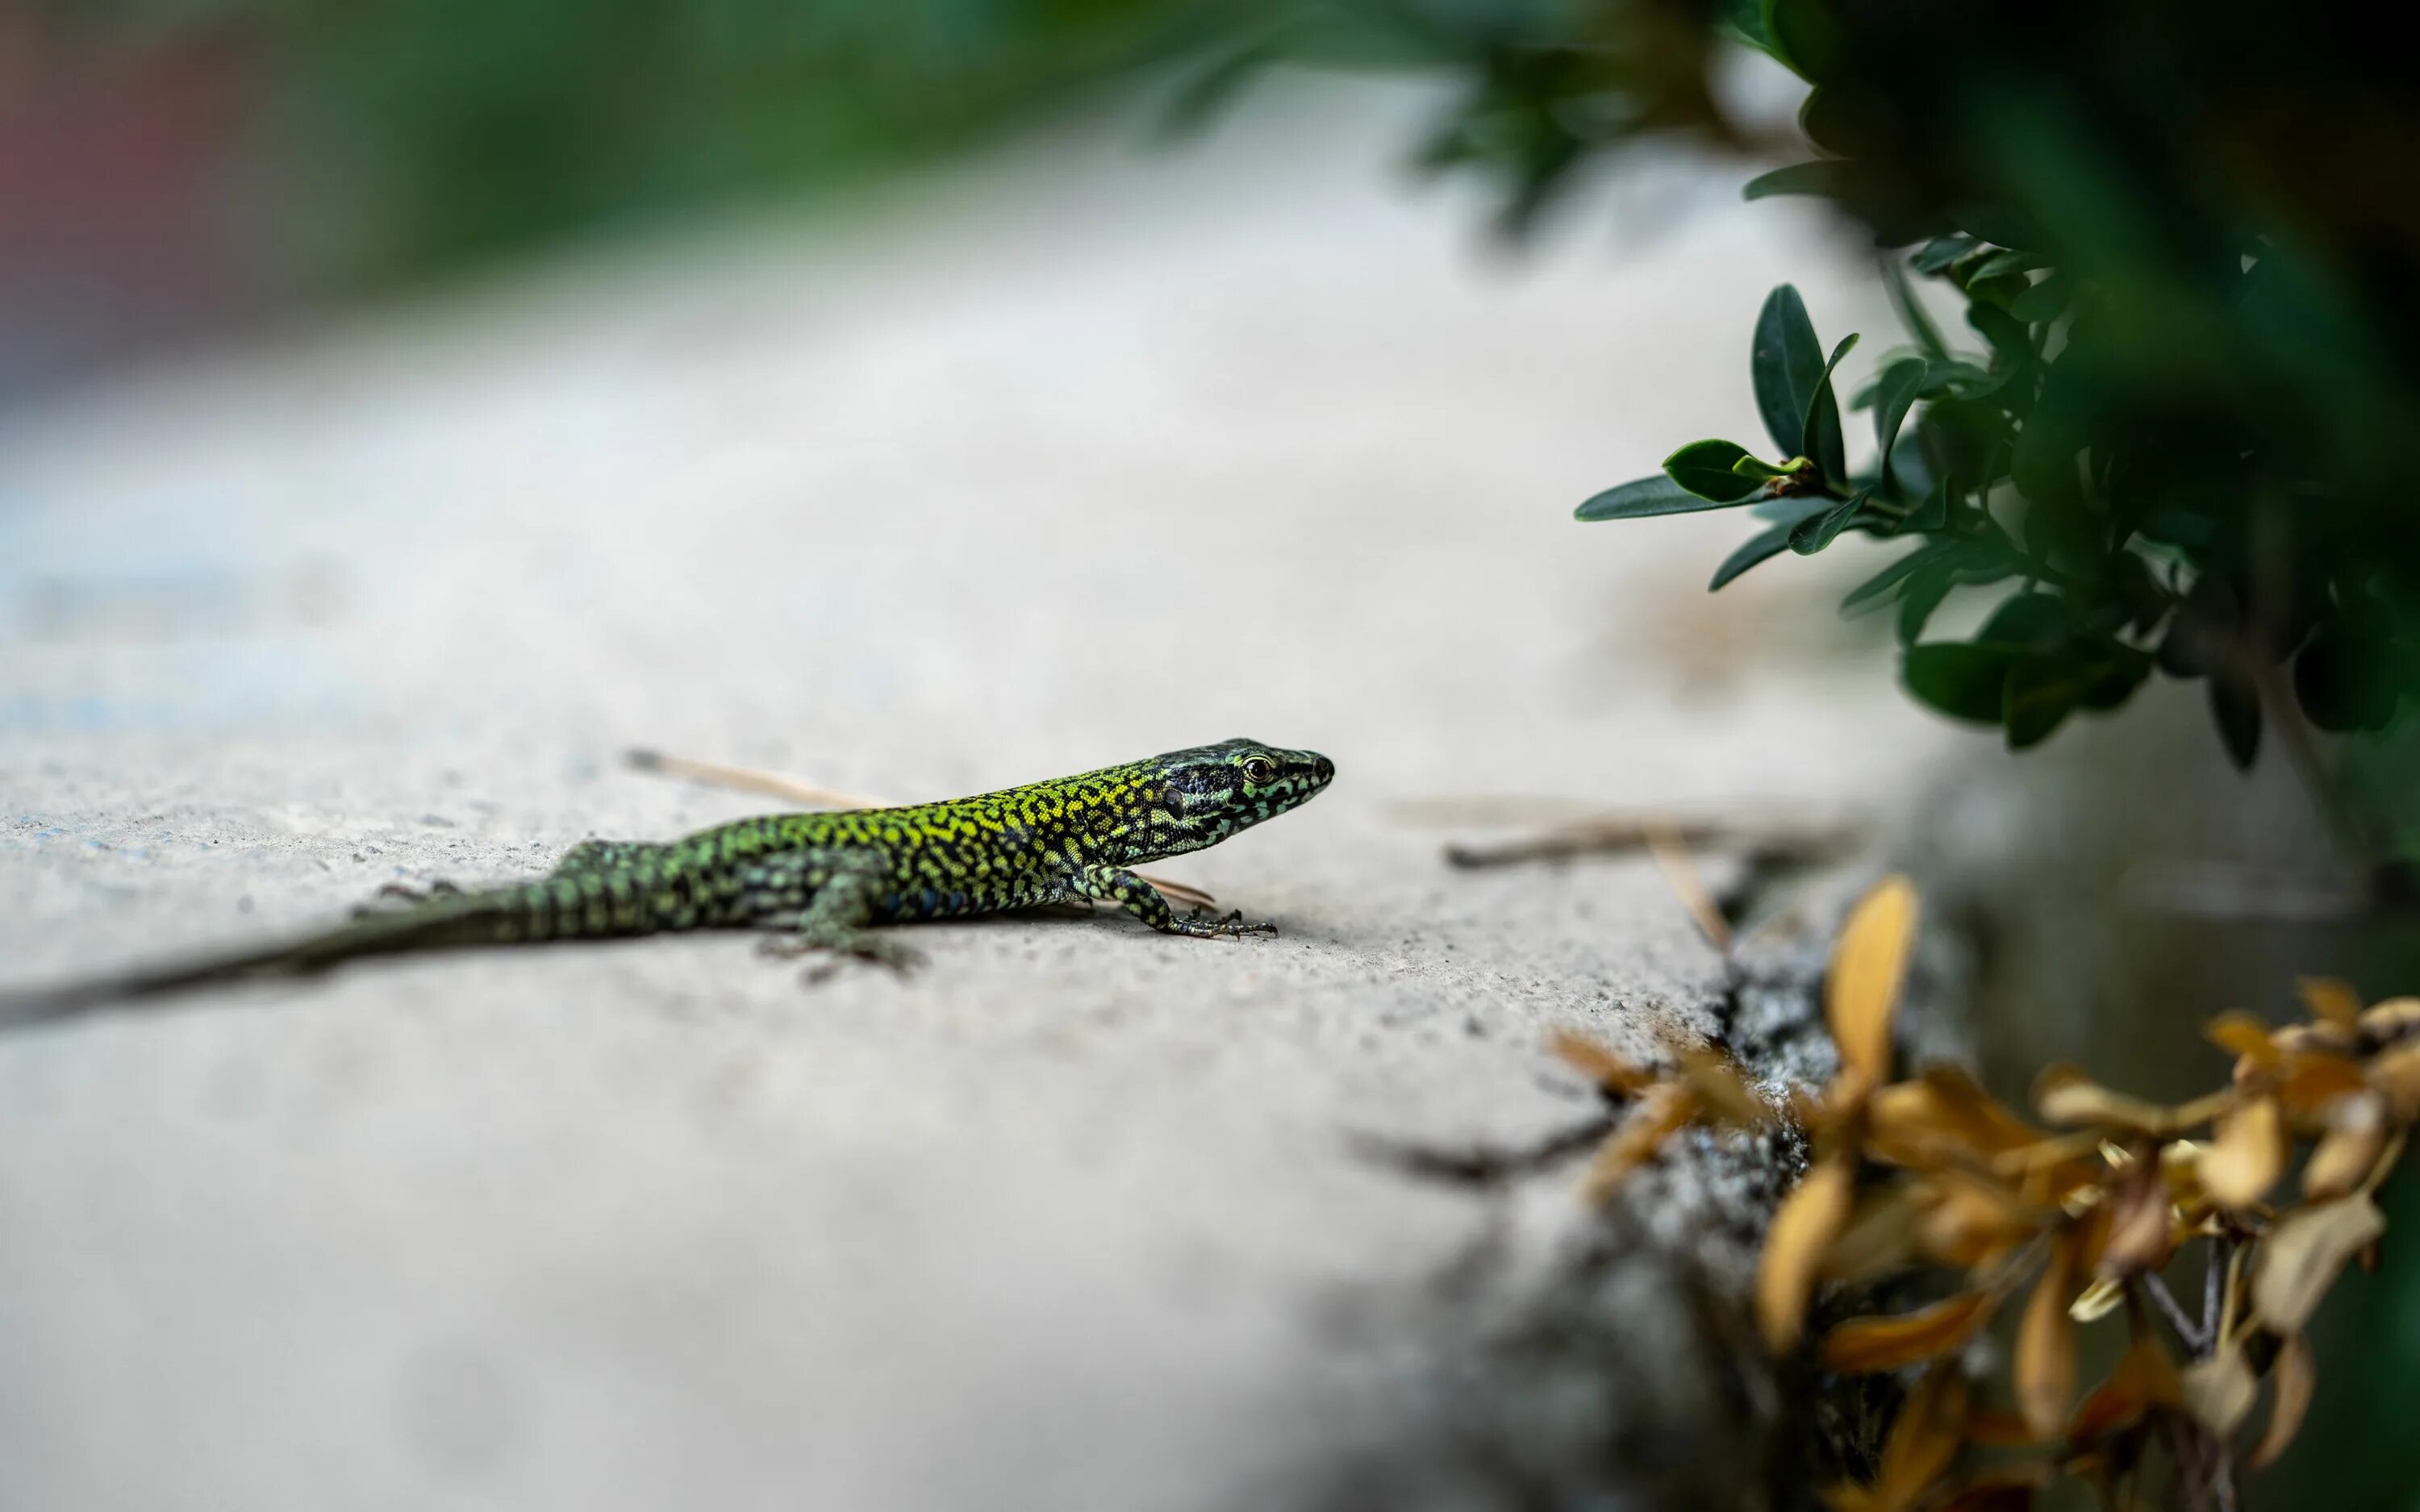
[(1070, 456)]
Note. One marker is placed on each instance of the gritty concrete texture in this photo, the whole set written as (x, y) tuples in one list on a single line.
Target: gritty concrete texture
[(1069, 455)]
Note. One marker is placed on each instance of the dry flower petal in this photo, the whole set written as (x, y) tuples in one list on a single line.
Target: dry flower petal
[(1802, 1230), (1925, 1437), (2239, 1033), (2343, 1158), (2297, 1375), (1594, 1060), (1722, 1091), (2064, 1096), (2220, 1390), (2146, 1378), (2248, 1154), (1662, 1111), (2396, 1074), (1867, 964), (2392, 1019), (2330, 1001), (2300, 1259), (2045, 1376), (1863, 1345)]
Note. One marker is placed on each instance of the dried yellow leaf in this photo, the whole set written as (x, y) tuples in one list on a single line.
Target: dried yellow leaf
[(2044, 1374), (2239, 1033), (2009, 1488), (1802, 1231), (1925, 1437), (2247, 1155), (1722, 1091), (2297, 1376), (2097, 1301), (2145, 1378), (1972, 1221), (2064, 1096), (2390, 1020), (2141, 1223), (2302, 1257), (1878, 1239), (1599, 1064), (2219, 1391), (1868, 967), (2396, 1074), (1665, 1108), (2344, 1154), (1863, 1345), (2313, 1081), (2330, 1001)]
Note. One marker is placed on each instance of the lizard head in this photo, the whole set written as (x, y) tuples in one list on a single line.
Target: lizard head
[(1214, 791)]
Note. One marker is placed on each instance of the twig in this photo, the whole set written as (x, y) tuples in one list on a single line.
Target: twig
[(748, 779), (1685, 882), (2196, 1339)]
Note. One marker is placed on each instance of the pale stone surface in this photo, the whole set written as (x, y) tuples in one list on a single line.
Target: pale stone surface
[(1075, 455)]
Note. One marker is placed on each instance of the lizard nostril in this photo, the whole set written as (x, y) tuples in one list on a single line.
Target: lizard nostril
[(1326, 768)]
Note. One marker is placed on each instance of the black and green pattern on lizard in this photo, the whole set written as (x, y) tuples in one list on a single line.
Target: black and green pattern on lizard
[(827, 881)]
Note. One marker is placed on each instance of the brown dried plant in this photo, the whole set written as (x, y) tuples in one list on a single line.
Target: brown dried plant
[(2064, 1221)]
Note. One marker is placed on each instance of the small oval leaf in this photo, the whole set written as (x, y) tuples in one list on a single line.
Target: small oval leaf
[(1643, 497)]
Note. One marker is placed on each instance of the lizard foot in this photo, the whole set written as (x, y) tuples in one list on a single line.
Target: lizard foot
[(1230, 926), (866, 945), (396, 892)]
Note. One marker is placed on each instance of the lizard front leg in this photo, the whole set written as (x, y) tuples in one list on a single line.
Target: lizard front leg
[(828, 899), (1115, 883)]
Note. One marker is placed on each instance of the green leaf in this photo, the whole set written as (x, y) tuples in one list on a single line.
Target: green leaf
[(1912, 313), (2007, 333), (1804, 37), (1941, 252), (2345, 682), (1768, 543), (1786, 363), (1820, 432), (1901, 382), (1642, 497), (2028, 622), (2235, 707), (1919, 598), (1816, 531), (1707, 469), (1891, 576), (1934, 514), (1824, 177), (2045, 301), (2007, 262), (1964, 682)]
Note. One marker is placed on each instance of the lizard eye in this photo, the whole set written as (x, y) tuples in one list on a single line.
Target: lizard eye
[(1260, 771)]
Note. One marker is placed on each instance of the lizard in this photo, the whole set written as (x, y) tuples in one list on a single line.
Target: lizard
[(828, 881)]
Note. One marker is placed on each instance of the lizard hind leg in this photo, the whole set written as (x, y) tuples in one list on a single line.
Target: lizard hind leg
[(828, 900)]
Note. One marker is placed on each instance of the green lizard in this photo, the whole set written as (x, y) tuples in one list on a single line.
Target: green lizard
[(826, 879)]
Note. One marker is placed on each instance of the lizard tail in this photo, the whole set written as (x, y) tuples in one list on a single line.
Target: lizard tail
[(527, 912)]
